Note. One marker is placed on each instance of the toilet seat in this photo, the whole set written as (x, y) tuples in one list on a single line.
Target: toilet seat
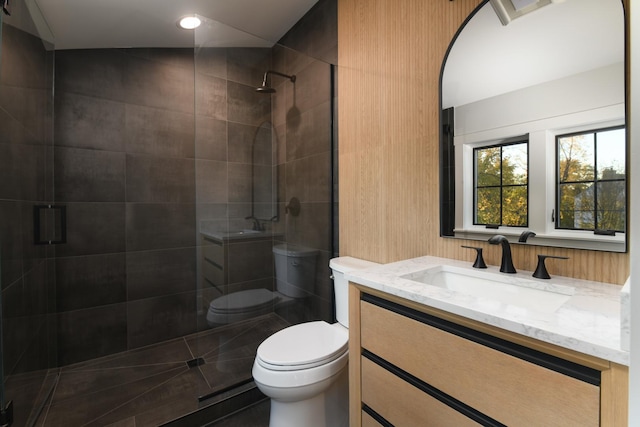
[(243, 301), (241, 305), (303, 346)]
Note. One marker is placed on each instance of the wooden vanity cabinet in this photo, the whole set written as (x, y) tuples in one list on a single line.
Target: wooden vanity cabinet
[(416, 366), (214, 265)]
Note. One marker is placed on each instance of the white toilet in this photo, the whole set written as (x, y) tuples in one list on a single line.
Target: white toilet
[(303, 368), (295, 272)]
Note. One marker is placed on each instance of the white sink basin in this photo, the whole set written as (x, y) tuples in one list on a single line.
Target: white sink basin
[(498, 288)]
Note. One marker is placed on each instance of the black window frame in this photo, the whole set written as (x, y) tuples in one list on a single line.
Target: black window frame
[(594, 182), (524, 139)]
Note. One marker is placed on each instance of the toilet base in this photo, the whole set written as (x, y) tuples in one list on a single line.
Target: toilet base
[(325, 409)]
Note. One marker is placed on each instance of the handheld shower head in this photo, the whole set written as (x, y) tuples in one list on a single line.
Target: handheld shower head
[(266, 88)]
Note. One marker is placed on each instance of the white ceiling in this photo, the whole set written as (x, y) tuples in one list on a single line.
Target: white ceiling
[(91, 24), (555, 41)]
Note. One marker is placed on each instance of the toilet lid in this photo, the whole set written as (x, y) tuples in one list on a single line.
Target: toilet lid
[(243, 301), (303, 346)]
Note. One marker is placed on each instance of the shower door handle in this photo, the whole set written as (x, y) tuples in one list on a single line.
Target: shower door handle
[(49, 224)]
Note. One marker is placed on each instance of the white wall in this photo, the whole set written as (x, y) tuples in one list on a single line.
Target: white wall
[(588, 91)]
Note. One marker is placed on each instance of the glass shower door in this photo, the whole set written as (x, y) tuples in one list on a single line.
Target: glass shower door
[(263, 187), (26, 279)]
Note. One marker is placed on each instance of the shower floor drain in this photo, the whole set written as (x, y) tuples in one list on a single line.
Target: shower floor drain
[(194, 363)]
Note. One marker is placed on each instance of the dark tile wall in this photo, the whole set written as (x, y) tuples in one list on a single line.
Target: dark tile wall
[(303, 120), (139, 187), (153, 146), (26, 276), (125, 167), (231, 118)]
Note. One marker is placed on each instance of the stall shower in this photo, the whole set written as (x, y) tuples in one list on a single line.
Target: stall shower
[(166, 180)]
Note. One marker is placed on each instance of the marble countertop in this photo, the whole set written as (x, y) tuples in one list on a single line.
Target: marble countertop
[(590, 321)]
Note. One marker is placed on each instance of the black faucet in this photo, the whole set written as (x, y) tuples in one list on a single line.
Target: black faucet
[(507, 264), (256, 223), (525, 235)]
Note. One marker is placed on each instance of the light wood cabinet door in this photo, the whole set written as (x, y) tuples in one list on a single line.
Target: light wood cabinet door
[(508, 389), (402, 404)]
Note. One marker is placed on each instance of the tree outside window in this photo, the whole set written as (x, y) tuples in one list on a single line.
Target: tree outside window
[(501, 184), (591, 190)]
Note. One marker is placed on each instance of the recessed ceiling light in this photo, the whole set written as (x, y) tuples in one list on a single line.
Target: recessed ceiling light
[(189, 22)]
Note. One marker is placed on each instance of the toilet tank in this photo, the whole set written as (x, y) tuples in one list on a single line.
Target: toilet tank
[(295, 269), (339, 266)]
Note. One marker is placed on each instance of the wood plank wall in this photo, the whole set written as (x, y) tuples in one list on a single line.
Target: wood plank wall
[(389, 57)]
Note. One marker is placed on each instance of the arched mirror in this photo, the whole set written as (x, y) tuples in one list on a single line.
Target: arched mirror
[(533, 140)]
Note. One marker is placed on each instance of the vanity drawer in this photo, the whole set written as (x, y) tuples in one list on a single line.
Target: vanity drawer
[(381, 388), (506, 388), (213, 273), (369, 421), (213, 252)]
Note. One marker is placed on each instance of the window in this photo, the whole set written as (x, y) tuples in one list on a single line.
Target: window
[(591, 189), (501, 182)]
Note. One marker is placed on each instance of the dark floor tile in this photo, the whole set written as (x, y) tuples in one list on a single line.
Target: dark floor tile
[(127, 422), (87, 408), (229, 337), (229, 351), (152, 385), (75, 382), (255, 416), (166, 352), (224, 373), (153, 320), (231, 354), (161, 402), (24, 391)]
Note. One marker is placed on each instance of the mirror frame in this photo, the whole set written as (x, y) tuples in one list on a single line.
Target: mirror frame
[(446, 150)]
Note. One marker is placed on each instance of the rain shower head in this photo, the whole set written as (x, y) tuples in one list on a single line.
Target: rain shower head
[(266, 88)]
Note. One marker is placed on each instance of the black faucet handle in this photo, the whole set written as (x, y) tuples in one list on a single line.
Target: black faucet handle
[(479, 262), (541, 270)]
